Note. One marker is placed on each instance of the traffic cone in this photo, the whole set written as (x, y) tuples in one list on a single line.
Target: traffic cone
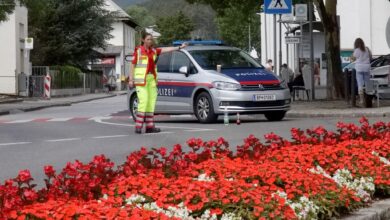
[(238, 122)]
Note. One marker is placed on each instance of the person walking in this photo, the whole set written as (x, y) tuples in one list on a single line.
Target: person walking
[(362, 57), (144, 77)]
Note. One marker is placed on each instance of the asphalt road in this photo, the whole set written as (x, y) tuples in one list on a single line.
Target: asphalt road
[(55, 136)]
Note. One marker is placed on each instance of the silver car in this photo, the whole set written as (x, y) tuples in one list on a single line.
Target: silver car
[(209, 80)]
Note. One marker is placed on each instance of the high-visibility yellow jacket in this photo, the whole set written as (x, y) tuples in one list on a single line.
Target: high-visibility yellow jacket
[(140, 70)]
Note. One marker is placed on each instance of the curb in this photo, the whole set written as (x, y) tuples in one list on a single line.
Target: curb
[(377, 211), (324, 115), (68, 103), (11, 101)]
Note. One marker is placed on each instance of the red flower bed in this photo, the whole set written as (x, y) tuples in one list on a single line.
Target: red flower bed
[(319, 174)]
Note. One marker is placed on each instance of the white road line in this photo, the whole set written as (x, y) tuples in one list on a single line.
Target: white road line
[(59, 119), (132, 125), (19, 121), (100, 117), (200, 130), (15, 143), (63, 140), (112, 136), (181, 116), (164, 132)]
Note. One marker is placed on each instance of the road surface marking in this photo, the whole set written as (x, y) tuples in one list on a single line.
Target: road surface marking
[(18, 121), (164, 132), (112, 136), (15, 143), (63, 140), (172, 127), (59, 119)]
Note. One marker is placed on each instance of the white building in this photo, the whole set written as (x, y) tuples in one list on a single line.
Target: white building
[(121, 44), (14, 60), (366, 19)]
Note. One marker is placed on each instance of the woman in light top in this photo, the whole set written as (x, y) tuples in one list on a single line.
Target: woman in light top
[(362, 57)]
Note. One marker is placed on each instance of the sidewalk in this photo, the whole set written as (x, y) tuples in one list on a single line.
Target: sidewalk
[(10, 105), (316, 108), (337, 108)]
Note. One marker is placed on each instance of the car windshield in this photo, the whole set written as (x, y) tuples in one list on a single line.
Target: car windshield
[(209, 59)]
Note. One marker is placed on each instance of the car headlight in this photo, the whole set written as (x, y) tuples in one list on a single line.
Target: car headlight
[(282, 83), (226, 86)]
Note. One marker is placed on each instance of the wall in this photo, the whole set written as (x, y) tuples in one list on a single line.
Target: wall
[(117, 34), (365, 19), (13, 60)]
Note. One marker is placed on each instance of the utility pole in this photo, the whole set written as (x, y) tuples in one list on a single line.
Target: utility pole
[(311, 49)]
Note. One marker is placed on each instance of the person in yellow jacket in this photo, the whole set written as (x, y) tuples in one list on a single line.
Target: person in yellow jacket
[(144, 77)]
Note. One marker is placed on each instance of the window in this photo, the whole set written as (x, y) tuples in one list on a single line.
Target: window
[(21, 31), (164, 62), (209, 59), (180, 60)]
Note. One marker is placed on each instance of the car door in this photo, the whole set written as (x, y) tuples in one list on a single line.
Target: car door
[(178, 90), (164, 69)]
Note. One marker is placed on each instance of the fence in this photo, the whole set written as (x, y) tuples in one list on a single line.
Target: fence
[(64, 78)]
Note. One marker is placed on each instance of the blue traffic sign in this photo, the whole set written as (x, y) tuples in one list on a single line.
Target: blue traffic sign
[(278, 6)]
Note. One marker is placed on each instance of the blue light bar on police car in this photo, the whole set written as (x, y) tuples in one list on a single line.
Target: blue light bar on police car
[(198, 42)]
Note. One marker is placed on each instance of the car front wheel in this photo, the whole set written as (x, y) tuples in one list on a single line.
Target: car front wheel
[(134, 106), (275, 116), (204, 110)]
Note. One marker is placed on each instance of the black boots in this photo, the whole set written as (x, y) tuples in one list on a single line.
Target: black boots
[(152, 130), (138, 130), (148, 130)]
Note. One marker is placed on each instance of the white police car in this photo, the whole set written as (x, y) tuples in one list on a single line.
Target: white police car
[(189, 83)]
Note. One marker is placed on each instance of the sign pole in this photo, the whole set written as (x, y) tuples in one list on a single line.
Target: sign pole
[(280, 42), (275, 48), (265, 37), (311, 49)]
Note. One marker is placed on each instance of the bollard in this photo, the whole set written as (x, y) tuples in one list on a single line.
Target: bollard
[(353, 85), (47, 83)]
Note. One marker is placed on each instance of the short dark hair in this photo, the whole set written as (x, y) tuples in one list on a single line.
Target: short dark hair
[(269, 60)]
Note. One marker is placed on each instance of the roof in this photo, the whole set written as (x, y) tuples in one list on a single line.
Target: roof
[(110, 50), (120, 13)]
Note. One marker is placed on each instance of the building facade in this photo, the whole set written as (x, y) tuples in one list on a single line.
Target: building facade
[(122, 43), (14, 59), (367, 19)]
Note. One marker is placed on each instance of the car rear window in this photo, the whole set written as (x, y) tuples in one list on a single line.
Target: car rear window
[(209, 59)]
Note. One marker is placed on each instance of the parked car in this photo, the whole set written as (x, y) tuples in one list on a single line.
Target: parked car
[(189, 83), (379, 66)]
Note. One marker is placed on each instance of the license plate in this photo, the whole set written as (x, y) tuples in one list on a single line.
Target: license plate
[(264, 97)]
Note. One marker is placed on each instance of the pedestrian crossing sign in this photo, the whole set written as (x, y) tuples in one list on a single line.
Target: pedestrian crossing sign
[(278, 6)]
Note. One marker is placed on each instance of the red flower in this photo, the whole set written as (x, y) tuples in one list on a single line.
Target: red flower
[(49, 171), (24, 176)]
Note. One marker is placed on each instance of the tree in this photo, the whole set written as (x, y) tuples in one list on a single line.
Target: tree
[(176, 27), (141, 15), (328, 14), (7, 7), (237, 29), (65, 32), (234, 20)]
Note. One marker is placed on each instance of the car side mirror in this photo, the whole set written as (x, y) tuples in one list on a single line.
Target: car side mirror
[(129, 58), (184, 70)]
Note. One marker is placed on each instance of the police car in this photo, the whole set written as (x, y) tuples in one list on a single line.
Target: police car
[(207, 78)]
